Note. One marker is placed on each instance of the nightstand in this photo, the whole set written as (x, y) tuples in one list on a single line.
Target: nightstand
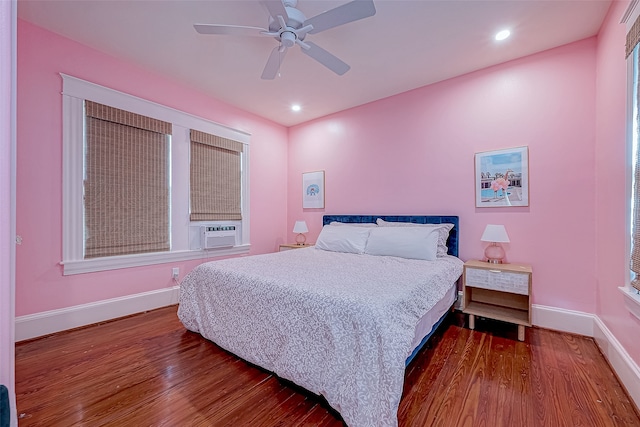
[(293, 246), (498, 291)]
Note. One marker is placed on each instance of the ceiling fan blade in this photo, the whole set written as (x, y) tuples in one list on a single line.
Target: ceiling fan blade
[(340, 15), (275, 8), (273, 63), (229, 30), (325, 58)]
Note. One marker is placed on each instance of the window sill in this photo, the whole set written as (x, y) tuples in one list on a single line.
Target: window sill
[(138, 260), (631, 300)]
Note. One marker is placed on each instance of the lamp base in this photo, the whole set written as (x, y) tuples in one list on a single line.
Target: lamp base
[(494, 254), (301, 239)]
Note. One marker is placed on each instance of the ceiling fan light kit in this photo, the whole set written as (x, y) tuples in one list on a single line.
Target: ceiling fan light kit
[(289, 27)]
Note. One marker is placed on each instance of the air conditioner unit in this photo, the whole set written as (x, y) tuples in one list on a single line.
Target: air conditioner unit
[(218, 236)]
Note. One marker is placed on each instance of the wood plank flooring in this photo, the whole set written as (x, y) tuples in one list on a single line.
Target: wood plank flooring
[(147, 370)]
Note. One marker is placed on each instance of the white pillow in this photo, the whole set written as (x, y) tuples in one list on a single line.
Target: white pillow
[(404, 242), (343, 239), (354, 224), (443, 229)]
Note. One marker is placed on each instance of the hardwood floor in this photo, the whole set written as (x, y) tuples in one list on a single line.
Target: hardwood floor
[(147, 370)]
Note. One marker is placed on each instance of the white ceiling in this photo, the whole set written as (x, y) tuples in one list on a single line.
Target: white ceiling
[(406, 45)]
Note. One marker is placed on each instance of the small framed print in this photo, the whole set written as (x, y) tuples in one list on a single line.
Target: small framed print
[(502, 178), (313, 190)]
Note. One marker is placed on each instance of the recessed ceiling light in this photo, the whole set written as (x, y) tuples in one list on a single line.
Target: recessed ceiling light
[(501, 35), (296, 107)]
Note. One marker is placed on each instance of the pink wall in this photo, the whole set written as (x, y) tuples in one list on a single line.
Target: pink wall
[(611, 195), (42, 55), (7, 170), (414, 154)]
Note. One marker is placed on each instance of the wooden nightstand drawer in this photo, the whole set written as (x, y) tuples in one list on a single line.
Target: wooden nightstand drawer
[(498, 280)]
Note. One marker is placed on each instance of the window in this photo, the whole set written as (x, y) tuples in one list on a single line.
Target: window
[(632, 293), (126, 182), (215, 178), (123, 215), (633, 36)]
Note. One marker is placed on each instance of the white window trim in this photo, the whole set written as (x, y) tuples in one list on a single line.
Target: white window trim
[(74, 92), (631, 300), (125, 261)]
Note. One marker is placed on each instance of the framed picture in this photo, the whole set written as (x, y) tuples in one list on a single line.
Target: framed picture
[(313, 190), (502, 178)]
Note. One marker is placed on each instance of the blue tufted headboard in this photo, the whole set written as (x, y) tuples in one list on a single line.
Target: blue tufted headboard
[(452, 243)]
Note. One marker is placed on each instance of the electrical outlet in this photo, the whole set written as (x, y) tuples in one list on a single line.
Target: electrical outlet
[(175, 273)]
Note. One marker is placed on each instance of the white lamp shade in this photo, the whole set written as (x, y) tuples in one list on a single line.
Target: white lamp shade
[(495, 233), (300, 227)]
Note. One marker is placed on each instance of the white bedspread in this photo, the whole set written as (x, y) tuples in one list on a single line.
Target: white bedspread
[(337, 324)]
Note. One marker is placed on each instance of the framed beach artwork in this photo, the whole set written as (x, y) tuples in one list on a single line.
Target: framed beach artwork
[(313, 190), (502, 178)]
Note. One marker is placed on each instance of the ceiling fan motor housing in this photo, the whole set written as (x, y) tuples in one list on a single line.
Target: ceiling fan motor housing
[(293, 21), (296, 18)]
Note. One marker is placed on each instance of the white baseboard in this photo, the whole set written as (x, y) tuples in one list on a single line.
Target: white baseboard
[(590, 325), (559, 319), (49, 322), (624, 366)]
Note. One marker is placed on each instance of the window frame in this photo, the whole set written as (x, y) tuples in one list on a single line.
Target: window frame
[(74, 92), (631, 295)]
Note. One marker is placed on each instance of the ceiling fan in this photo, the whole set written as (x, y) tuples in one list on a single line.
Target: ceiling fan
[(289, 27)]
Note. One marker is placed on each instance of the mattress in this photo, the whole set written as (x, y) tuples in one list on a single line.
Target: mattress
[(340, 325), (428, 321)]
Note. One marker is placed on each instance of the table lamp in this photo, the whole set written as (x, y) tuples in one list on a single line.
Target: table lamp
[(496, 234), (300, 227)]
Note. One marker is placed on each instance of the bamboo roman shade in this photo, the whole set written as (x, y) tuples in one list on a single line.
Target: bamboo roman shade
[(215, 178), (633, 37), (126, 204)]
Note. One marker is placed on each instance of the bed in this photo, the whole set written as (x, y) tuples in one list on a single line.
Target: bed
[(340, 323)]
